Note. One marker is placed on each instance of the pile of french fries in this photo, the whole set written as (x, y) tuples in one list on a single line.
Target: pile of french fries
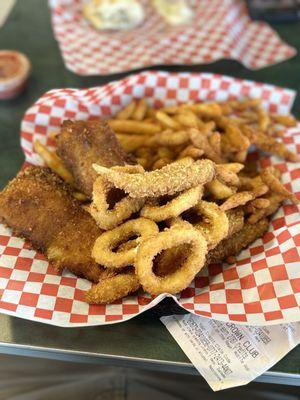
[(222, 132)]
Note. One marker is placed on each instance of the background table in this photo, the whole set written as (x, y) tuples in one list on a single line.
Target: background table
[(142, 342)]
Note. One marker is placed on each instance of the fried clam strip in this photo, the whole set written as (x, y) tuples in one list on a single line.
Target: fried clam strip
[(209, 219), (219, 190), (275, 201), (173, 178), (180, 278), (110, 214), (269, 177), (104, 248), (237, 242), (241, 198), (82, 143), (269, 144), (113, 288), (174, 207), (38, 206), (227, 173)]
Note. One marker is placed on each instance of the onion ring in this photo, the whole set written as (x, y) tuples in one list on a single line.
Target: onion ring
[(103, 248), (174, 207), (181, 278), (114, 288), (173, 178), (110, 218)]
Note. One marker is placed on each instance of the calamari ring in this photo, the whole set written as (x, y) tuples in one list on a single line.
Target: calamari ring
[(214, 226), (174, 207), (110, 218), (103, 248), (179, 279), (173, 178), (113, 288)]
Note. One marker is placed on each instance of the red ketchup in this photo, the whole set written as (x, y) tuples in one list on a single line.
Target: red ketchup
[(14, 71)]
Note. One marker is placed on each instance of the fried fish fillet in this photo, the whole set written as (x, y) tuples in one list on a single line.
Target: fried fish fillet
[(39, 207), (82, 143), (237, 242)]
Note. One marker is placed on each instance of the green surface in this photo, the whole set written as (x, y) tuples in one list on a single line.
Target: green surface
[(28, 29)]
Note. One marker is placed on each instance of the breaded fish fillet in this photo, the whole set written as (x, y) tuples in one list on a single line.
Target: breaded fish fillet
[(82, 143), (237, 242), (38, 206)]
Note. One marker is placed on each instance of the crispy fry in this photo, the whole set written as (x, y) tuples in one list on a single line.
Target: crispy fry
[(140, 110), (275, 201), (52, 160), (171, 138), (236, 200), (166, 120), (134, 127), (269, 144), (219, 190), (130, 143), (263, 120), (191, 151), (285, 120), (269, 178), (226, 175), (201, 141), (127, 111)]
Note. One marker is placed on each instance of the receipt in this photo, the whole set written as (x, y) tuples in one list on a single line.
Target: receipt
[(227, 354)]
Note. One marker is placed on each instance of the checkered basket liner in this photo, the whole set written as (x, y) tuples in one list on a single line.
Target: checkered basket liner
[(263, 287), (220, 29)]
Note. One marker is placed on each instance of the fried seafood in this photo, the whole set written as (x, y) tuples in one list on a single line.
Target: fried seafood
[(104, 248), (209, 219), (173, 178), (174, 207), (179, 279), (39, 207), (113, 288), (82, 143), (106, 214)]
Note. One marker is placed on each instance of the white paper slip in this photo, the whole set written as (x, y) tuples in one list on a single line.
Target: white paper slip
[(229, 355), (5, 8)]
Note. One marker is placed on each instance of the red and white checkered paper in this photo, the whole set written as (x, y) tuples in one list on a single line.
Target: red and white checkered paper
[(263, 287), (220, 29)]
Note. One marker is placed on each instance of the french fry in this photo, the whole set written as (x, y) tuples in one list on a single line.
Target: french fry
[(130, 143), (166, 120), (205, 109), (52, 160), (188, 119), (263, 120), (191, 151), (134, 127), (127, 111), (140, 110), (285, 120), (170, 138), (219, 190)]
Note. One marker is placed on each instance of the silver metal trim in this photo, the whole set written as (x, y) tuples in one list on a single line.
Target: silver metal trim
[(273, 377)]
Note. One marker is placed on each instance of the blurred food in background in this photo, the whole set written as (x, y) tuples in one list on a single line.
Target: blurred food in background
[(114, 14), (174, 12)]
